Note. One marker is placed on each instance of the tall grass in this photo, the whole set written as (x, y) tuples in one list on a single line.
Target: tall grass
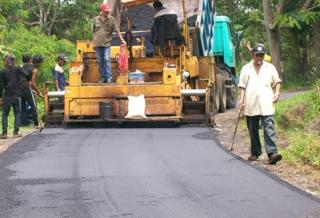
[(294, 117)]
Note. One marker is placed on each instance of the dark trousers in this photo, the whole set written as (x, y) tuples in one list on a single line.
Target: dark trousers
[(15, 103), (26, 99), (268, 133)]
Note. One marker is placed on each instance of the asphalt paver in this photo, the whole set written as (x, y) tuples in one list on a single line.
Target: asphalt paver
[(142, 173)]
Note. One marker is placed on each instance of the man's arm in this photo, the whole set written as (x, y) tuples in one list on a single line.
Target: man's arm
[(241, 102), (57, 85), (115, 28), (121, 38), (276, 95), (276, 83), (33, 82), (55, 78)]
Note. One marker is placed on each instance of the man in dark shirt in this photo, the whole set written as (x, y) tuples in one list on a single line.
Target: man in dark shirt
[(10, 84), (26, 96), (165, 26)]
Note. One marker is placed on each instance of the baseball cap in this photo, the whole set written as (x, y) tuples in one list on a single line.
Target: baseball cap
[(105, 7), (259, 49), (62, 57)]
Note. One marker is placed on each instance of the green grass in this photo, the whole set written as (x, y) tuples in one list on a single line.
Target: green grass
[(293, 118), (303, 146)]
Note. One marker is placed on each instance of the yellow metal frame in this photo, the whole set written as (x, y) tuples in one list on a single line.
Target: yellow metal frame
[(162, 86)]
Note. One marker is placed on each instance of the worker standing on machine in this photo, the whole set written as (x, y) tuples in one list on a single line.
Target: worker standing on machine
[(103, 27), (165, 26), (257, 81)]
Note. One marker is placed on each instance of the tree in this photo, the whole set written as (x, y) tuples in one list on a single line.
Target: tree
[(45, 13), (273, 33), (299, 18), (316, 29), (58, 17)]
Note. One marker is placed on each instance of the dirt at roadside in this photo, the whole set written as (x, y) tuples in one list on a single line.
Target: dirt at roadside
[(298, 174), (6, 143)]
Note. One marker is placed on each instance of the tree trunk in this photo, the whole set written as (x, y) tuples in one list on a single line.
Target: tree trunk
[(316, 29), (273, 36)]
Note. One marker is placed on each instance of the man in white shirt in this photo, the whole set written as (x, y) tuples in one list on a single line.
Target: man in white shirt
[(258, 79), (58, 73)]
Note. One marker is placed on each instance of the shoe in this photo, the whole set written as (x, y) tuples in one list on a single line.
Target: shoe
[(101, 80), (274, 158), (17, 135), (253, 158), (3, 136), (108, 81), (37, 127)]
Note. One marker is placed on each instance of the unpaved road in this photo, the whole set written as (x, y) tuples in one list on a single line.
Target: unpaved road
[(158, 172)]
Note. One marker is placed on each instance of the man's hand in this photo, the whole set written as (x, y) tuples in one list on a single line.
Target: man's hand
[(276, 97), (40, 95), (123, 42), (241, 106)]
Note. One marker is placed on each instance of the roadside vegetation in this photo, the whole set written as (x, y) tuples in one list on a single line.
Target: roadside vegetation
[(298, 121)]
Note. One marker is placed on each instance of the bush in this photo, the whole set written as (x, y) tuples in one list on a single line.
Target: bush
[(304, 147), (33, 41), (299, 111), (294, 116)]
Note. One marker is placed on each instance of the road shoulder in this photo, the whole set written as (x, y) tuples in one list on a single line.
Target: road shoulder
[(6, 143), (297, 174)]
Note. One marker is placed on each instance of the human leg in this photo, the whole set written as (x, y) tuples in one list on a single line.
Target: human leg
[(269, 134), (5, 114), (108, 64), (270, 139), (253, 128), (101, 64), (32, 103), (17, 111), (24, 112)]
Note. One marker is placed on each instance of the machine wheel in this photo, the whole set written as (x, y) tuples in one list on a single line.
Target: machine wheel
[(222, 93), (232, 97)]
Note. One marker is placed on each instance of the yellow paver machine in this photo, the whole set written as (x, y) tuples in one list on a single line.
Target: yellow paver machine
[(185, 83)]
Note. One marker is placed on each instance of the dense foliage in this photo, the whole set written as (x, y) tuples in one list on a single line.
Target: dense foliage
[(298, 25), (19, 34), (50, 27)]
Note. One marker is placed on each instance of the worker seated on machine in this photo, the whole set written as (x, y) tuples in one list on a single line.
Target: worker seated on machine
[(165, 29)]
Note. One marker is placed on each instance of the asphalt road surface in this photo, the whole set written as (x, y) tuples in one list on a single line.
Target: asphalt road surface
[(141, 173)]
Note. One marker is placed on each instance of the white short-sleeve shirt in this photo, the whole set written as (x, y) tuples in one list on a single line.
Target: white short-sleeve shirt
[(259, 88)]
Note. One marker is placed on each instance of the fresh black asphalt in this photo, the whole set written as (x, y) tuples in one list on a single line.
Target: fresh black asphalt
[(140, 173)]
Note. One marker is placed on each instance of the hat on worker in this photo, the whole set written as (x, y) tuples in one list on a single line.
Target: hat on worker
[(62, 57), (105, 7), (259, 49)]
